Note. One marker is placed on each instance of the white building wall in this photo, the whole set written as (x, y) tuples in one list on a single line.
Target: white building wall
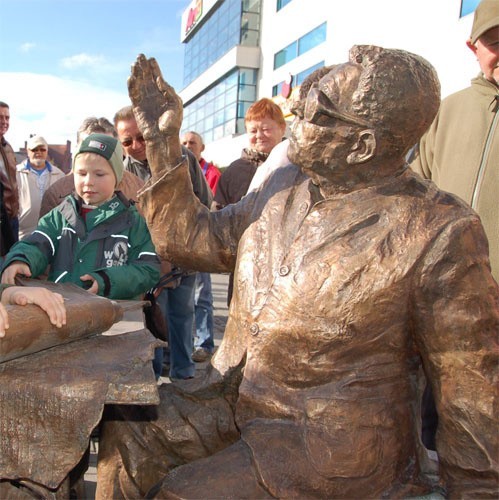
[(430, 28)]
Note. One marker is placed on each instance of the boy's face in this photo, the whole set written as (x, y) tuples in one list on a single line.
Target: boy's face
[(94, 179)]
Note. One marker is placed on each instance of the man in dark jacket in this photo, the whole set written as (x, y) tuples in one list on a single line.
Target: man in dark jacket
[(9, 196), (176, 302)]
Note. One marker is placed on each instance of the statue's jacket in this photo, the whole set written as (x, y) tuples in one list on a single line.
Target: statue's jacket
[(336, 304)]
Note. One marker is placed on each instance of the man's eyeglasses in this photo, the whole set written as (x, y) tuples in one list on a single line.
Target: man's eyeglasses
[(319, 109), (129, 141), (39, 150)]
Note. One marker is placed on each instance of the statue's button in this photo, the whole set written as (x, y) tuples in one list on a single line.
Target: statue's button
[(303, 207), (284, 270), (254, 329)]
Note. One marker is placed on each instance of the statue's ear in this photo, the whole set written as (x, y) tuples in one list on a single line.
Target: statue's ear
[(363, 149)]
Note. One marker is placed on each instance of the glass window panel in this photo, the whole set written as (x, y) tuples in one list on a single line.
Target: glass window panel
[(232, 79), (218, 117), (208, 122), (249, 38), (285, 55), (201, 101), (250, 21), (282, 3), (230, 112), (240, 128), (251, 5), (223, 34), (300, 77), (195, 61), (230, 128), (209, 107), (185, 121), (279, 59), (208, 136), (234, 8), (242, 107), (247, 76), (312, 39), (187, 124), (199, 114), (233, 38), (210, 94), (218, 90), (231, 95), (218, 132), (219, 102), (276, 89), (246, 92)]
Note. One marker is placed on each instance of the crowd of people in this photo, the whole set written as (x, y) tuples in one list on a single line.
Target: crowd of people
[(301, 224), (60, 230), (43, 189)]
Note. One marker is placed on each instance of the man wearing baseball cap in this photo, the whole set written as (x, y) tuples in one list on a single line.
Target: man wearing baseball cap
[(460, 150), (34, 176), (95, 238)]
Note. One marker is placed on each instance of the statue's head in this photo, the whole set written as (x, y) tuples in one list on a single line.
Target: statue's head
[(374, 107)]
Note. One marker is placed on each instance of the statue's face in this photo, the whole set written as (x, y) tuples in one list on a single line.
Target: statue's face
[(323, 131)]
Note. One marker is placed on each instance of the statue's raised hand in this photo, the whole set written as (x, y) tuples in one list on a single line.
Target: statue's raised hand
[(156, 105)]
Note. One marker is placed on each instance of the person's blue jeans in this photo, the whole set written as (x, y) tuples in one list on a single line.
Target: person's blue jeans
[(177, 305), (203, 307)]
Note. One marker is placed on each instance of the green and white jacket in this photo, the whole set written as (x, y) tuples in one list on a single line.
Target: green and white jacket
[(112, 244)]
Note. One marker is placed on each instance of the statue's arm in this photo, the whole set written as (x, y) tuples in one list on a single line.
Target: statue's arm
[(182, 229), (456, 321)]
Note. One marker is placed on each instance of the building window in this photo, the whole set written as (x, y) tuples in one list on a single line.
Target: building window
[(300, 77), (234, 22), (220, 110), (312, 39), (297, 79), (468, 6), (285, 55), (300, 46), (282, 3)]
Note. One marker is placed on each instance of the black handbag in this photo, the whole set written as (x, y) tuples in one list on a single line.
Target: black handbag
[(155, 320)]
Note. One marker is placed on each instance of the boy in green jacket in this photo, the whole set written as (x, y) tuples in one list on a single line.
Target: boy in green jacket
[(95, 238)]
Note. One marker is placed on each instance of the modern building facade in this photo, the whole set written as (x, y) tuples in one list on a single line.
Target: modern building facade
[(238, 51)]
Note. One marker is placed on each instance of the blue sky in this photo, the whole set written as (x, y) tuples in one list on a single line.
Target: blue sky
[(64, 60)]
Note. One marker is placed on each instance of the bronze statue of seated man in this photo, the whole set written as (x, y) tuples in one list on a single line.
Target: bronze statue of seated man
[(351, 272)]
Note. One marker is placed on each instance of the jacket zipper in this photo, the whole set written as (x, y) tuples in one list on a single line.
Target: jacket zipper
[(478, 184)]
